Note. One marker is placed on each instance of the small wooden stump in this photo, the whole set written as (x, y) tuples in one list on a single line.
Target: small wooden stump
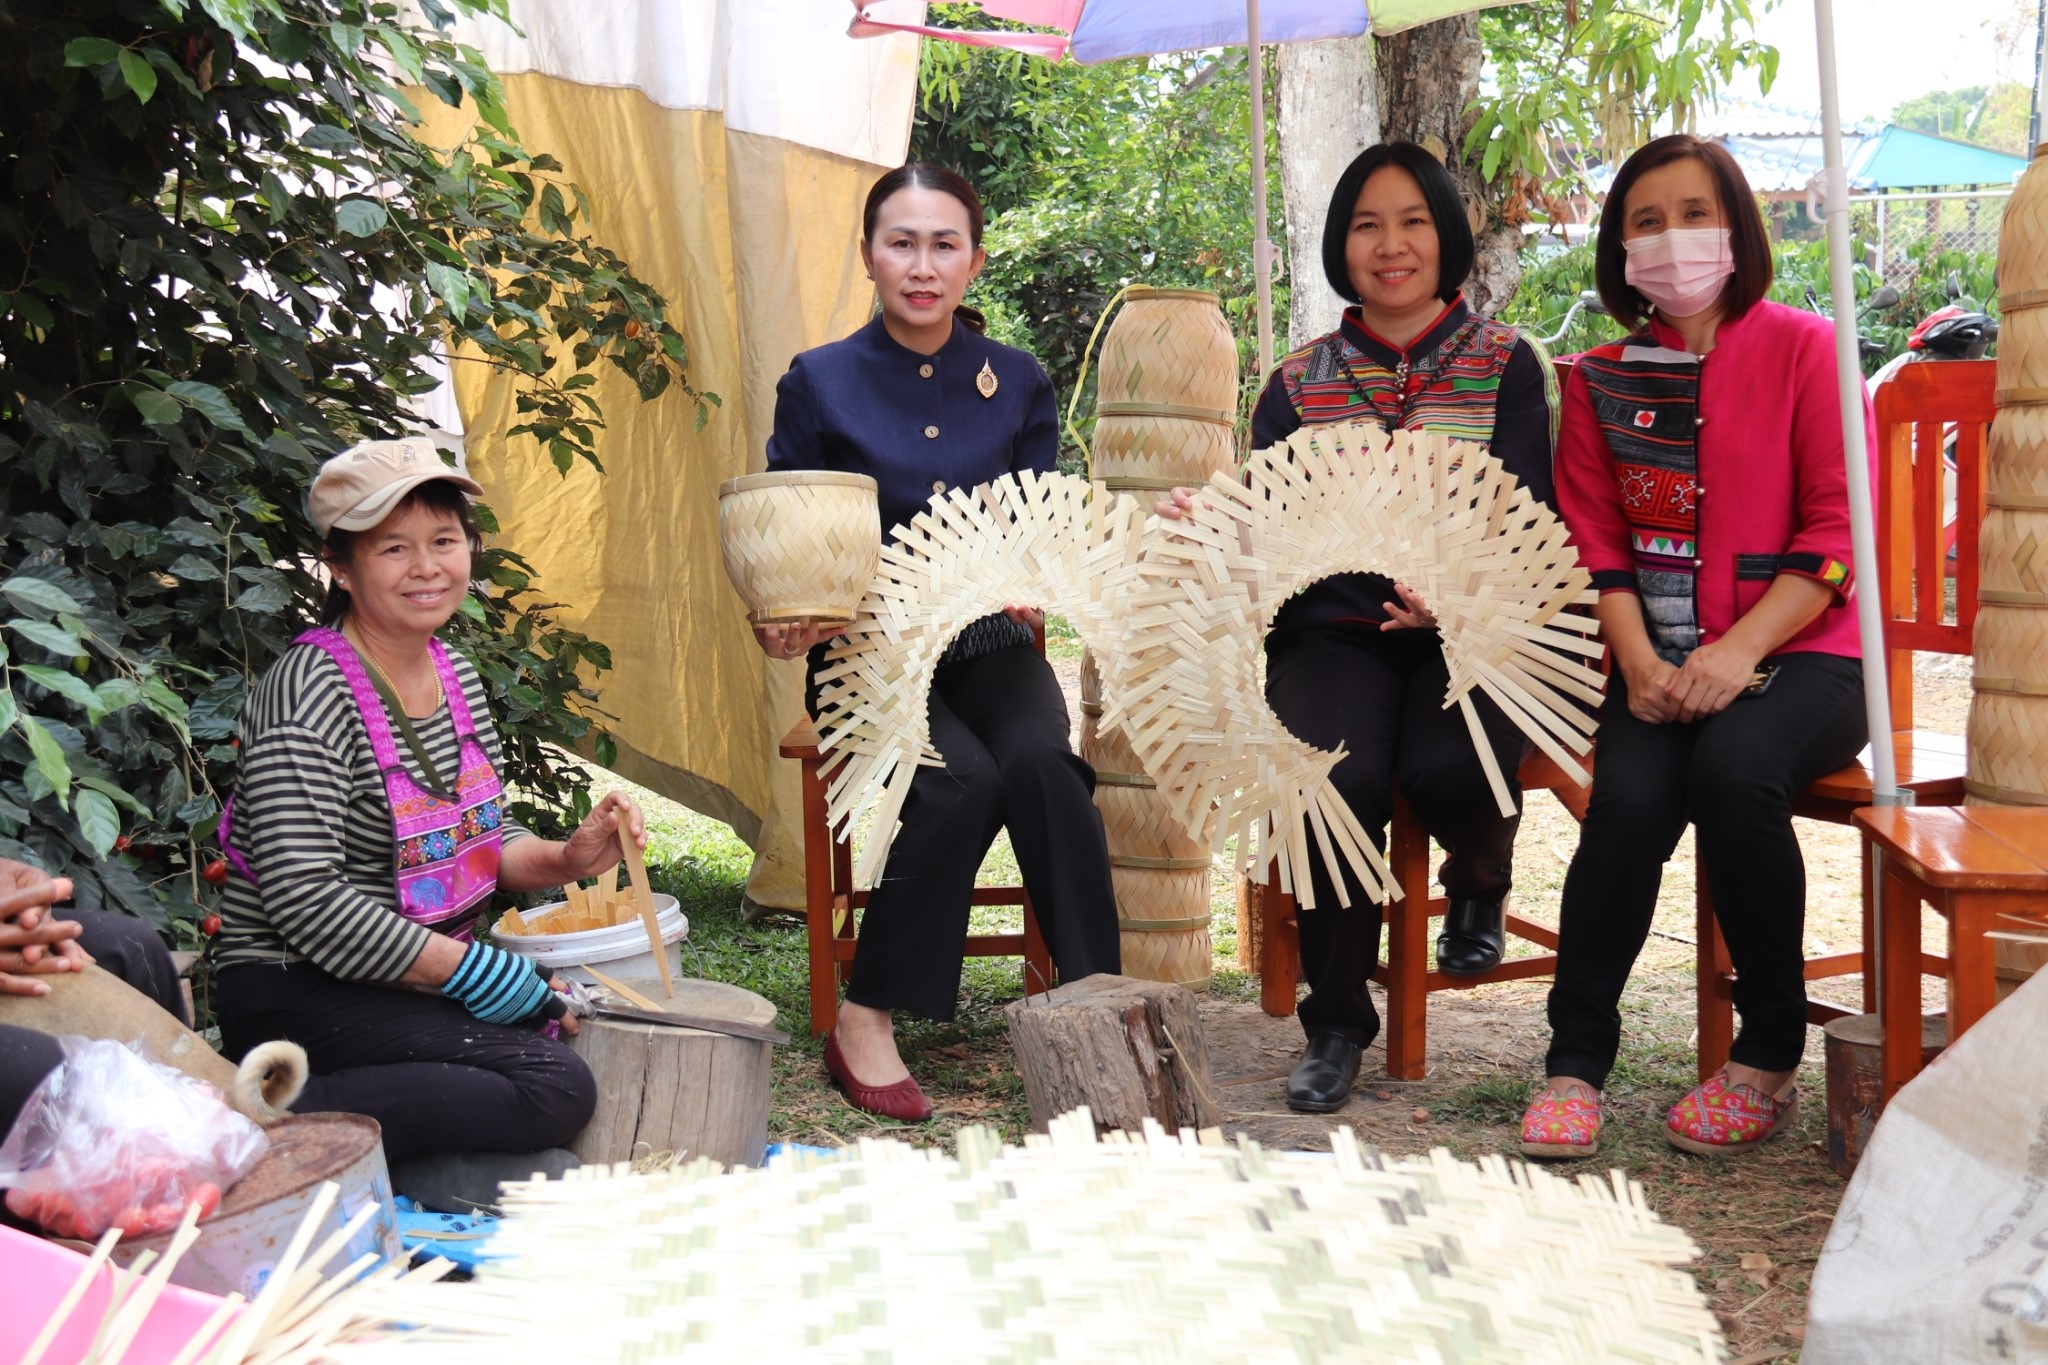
[(682, 1090), (1129, 1050)]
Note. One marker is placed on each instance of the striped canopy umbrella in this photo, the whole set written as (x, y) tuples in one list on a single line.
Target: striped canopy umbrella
[(1104, 30)]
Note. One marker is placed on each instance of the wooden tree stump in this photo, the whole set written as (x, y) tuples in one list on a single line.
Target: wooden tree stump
[(682, 1090), (1129, 1050)]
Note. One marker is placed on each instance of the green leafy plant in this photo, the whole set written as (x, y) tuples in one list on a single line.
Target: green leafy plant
[(226, 252)]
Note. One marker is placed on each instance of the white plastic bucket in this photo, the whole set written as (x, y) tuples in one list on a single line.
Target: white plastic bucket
[(620, 950)]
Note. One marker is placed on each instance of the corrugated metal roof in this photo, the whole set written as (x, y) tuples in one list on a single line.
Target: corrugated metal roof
[(1899, 158)]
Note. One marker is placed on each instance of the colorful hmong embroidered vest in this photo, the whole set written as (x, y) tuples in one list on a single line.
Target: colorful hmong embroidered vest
[(445, 848), (1646, 402), (1451, 389)]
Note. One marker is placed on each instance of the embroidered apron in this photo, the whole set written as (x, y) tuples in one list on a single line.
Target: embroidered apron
[(445, 851)]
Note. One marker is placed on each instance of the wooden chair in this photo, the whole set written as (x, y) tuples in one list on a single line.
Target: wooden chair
[(1985, 868), (1914, 409), (1406, 973), (831, 902)]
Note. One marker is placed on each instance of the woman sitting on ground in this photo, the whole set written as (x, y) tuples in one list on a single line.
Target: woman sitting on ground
[(922, 402), (368, 832), (1356, 659), (1700, 472)]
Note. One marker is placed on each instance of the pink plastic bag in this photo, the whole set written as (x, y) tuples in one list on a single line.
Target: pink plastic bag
[(113, 1139)]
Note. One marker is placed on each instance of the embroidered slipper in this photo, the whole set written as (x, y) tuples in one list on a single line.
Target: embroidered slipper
[(1562, 1123), (1717, 1118)]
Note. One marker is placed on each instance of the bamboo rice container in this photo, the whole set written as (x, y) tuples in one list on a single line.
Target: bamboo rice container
[(800, 547), (2008, 730), (1166, 398), (1159, 875)]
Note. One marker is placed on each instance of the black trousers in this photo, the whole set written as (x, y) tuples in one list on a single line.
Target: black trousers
[(1733, 776), (1380, 694), (435, 1078), (1000, 720), (122, 945)]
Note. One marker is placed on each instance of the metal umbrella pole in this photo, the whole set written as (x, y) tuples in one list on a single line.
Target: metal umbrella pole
[(1884, 780)]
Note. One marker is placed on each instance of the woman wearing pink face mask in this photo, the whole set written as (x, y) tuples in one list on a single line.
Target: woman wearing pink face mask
[(1700, 471)]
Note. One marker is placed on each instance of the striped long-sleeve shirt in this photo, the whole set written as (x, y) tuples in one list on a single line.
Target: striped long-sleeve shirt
[(313, 822)]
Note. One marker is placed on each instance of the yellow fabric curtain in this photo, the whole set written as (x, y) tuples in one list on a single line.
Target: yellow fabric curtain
[(726, 151)]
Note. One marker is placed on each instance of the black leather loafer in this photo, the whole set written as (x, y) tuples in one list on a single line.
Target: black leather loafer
[(1474, 933), (1321, 1082)]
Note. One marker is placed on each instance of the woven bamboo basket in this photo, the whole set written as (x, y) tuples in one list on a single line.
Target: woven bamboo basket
[(1162, 915), (1160, 876), (2008, 731), (1166, 399), (800, 547)]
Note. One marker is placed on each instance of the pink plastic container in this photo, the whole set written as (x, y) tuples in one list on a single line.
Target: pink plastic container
[(37, 1274)]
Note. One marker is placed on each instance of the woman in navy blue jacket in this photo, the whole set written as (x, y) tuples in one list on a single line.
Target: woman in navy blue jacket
[(923, 403)]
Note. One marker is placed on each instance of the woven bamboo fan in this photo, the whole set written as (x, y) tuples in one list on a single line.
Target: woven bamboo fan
[(801, 546), (1026, 537), (1443, 516)]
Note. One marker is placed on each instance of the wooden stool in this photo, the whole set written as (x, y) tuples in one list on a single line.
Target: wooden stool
[(830, 899), (1984, 868), (1406, 973)]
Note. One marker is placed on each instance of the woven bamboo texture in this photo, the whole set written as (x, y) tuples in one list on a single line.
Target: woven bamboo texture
[(2022, 270), (1166, 398), (2008, 728), (1024, 538), (1444, 517), (800, 546), (1163, 918)]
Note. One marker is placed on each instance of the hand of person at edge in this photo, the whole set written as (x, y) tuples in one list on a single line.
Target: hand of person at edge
[(33, 940), (1713, 676), (791, 642), (1412, 614), (571, 1025), (1176, 504), (1031, 618), (1649, 699), (599, 842)]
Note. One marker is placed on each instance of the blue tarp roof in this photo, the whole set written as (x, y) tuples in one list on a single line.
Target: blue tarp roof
[(1897, 159)]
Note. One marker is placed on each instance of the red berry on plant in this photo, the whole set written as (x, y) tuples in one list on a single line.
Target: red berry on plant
[(209, 925), (216, 872)]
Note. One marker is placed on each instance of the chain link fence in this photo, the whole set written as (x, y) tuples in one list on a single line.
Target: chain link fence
[(1911, 233)]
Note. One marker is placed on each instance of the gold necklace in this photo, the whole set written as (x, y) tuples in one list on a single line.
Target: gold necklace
[(370, 657)]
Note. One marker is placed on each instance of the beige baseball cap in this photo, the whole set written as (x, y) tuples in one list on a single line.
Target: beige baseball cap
[(358, 488)]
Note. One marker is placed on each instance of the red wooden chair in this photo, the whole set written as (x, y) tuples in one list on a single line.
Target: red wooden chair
[(831, 902), (1406, 973), (1914, 409)]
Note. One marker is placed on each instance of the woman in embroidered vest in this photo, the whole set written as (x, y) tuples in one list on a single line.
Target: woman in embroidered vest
[(367, 833), (1700, 472), (1356, 660), (922, 402)]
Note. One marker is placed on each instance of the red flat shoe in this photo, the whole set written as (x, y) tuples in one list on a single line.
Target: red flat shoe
[(903, 1101)]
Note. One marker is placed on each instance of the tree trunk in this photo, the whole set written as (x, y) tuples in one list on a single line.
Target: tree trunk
[(1329, 113), (1128, 1050), (1428, 80)]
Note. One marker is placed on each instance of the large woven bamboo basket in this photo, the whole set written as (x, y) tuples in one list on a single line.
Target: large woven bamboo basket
[(1160, 876), (1166, 399), (800, 547), (2008, 731)]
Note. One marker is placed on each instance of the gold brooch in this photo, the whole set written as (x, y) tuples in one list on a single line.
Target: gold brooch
[(985, 382)]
